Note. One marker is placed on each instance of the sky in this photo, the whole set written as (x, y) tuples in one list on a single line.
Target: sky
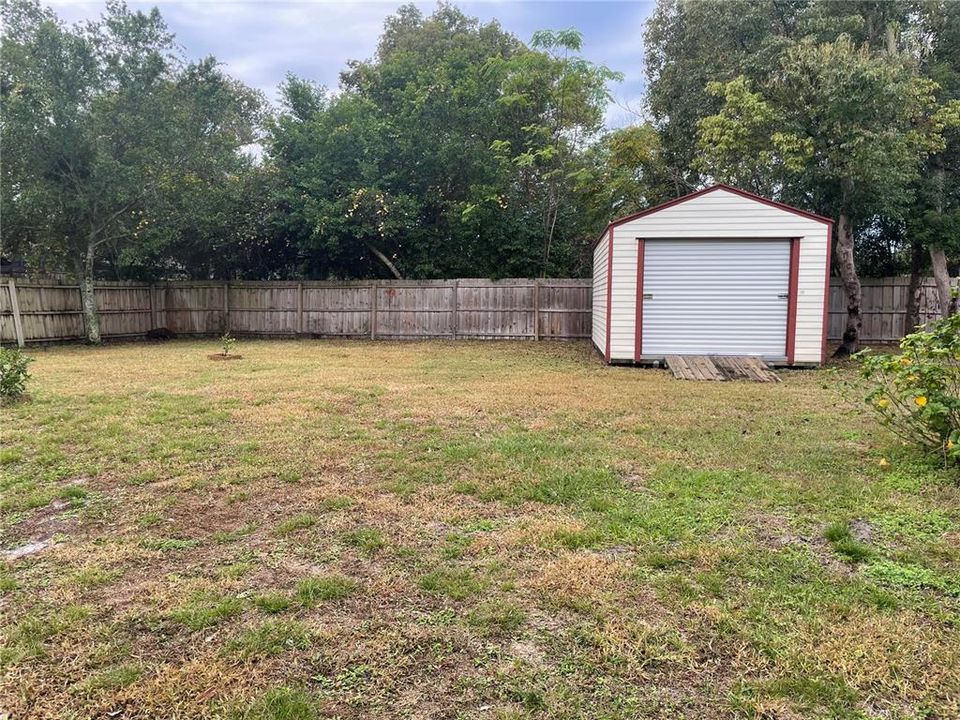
[(260, 42)]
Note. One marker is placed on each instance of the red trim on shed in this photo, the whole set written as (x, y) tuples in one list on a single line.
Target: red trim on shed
[(826, 294), (606, 353), (713, 188), (792, 293), (638, 322)]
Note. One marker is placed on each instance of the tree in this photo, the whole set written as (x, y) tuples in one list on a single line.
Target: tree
[(101, 122), (456, 150), (934, 222), (691, 44), (848, 127), (566, 96)]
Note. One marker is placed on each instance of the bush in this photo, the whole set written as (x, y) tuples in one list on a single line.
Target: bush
[(227, 342), (917, 393), (13, 373)]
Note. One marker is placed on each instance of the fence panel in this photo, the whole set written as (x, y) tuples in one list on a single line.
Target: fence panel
[(496, 309), (390, 309), (337, 309), (884, 307)]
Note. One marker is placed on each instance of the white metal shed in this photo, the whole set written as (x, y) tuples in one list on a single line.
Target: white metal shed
[(718, 272)]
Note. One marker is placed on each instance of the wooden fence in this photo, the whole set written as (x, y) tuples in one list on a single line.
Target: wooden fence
[(553, 309), (49, 310), (884, 307)]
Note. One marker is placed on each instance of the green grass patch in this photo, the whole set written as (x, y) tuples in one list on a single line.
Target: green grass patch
[(455, 583), (845, 545), (367, 540), (314, 590), (206, 609), (110, 679), (275, 602), (168, 544), (496, 617), (295, 524), (271, 637), (278, 704)]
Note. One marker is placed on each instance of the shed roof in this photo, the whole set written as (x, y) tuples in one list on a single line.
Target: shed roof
[(719, 186)]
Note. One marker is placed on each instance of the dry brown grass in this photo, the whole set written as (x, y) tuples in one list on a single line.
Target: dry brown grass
[(523, 533)]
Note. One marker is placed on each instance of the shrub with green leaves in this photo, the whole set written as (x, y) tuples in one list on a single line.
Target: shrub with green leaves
[(917, 393), (227, 342), (13, 373)]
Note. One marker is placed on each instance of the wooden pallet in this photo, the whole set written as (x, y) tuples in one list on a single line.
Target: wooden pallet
[(720, 368)]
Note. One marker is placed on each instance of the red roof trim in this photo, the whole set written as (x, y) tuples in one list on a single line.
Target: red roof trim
[(719, 186)]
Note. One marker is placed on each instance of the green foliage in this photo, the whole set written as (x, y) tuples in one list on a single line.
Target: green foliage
[(227, 343), (13, 373), (917, 393), (104, 128), (112, 678), (456, 151), (494, 617), (852, 125), (825, 105)]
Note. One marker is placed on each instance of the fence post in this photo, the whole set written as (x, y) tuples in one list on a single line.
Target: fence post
[(153, 306), (226, 307), (15, 307), (536, 309), (455, 309), (374, 291), (300, 308)]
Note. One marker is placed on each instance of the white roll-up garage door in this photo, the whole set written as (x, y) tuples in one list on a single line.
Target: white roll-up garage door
[(719, 297)]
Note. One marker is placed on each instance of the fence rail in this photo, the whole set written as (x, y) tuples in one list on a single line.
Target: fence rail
[(37, 311)]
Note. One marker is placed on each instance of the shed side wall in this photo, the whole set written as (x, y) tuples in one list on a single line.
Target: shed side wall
[(599, 329)]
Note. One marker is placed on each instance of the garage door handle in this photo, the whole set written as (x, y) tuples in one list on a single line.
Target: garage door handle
[(648, 296), (784, 296)]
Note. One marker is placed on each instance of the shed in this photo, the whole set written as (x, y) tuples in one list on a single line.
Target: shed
[(720, 271)]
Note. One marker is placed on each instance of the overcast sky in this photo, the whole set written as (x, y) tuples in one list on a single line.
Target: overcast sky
[(259, 42)]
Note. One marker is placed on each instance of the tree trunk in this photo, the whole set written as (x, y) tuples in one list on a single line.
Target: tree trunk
[(912, 316), (941, 277), (88, 303), (851, 287), (386, 261), (941, 273)]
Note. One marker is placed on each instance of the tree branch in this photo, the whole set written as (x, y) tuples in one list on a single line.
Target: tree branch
[(385, 260)]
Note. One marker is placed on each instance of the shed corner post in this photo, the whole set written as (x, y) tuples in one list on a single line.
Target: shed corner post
[(638, 313), (15, 307), (793, 281), (606, 352)]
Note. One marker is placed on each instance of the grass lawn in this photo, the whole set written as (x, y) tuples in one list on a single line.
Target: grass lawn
[(463, 530)]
